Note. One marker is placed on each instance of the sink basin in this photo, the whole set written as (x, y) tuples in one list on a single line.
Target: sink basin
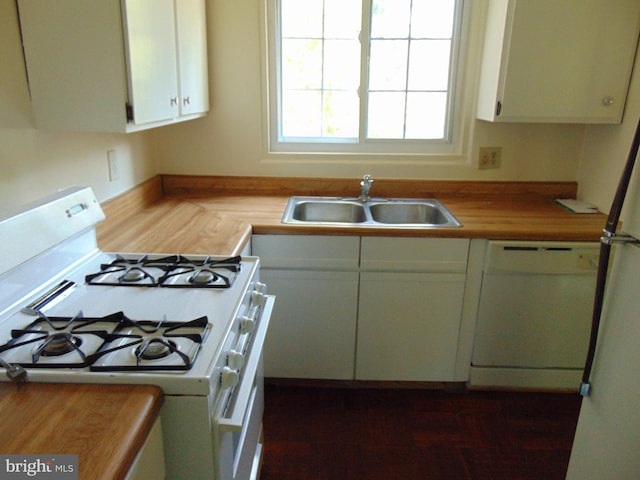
[(414, 213), (318, 211), (375, 212)]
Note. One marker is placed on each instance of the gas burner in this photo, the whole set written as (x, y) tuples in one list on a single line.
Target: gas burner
[(59, 344), (134, 274), (202, 277), (155, 349)]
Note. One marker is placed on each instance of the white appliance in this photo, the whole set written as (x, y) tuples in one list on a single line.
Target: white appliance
[(193, 325), (607, 439), (534, 314)]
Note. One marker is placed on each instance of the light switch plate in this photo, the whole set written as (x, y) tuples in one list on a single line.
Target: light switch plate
[(114, 167)]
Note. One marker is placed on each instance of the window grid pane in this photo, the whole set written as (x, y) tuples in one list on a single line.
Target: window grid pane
[(323, 66), (408, 77), (421, 72)]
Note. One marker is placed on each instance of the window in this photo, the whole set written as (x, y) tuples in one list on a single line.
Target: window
[(363, 75)]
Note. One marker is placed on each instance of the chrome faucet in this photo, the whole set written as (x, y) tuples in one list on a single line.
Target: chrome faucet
[(365, 186)]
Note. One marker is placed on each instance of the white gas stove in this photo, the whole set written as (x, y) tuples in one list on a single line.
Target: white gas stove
[(192, 324)]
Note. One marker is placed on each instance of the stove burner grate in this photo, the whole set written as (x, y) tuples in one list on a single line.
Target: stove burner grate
[(59, 342), (175, 271), (200, 278), (123, 271)]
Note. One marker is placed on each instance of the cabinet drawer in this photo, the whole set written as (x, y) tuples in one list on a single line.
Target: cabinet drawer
[(414, 254), (307, 252)]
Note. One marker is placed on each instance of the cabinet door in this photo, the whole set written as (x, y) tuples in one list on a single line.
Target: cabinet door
[(151, 59), (191, 30), (74, 54), (313, 325), (558, 61), (408, 326)]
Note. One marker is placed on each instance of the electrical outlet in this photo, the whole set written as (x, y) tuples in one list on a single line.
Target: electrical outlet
[(489, 157), (114, 167)]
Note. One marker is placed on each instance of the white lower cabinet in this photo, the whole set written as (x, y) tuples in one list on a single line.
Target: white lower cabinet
[(410, 308), (408, 326), (313, 326), (371, 308)]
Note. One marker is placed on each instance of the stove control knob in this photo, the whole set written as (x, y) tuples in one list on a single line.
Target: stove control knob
[(235, 360), (247, 324), (260, 287), (257, 298), (229, 377)]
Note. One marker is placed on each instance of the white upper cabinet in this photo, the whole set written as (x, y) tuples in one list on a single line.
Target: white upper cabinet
[(115, 65), (151, 54), (566, 61), (192, 56)]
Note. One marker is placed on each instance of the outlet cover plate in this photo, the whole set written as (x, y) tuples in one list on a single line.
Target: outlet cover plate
[(489, 157)]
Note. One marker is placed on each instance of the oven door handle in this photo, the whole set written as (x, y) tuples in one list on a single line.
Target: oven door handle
[(235, 421)]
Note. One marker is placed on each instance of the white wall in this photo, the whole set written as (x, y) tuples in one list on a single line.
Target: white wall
[(34, 163), (231, 140)]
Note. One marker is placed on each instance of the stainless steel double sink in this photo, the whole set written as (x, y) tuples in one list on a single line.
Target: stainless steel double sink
[(372, 212)]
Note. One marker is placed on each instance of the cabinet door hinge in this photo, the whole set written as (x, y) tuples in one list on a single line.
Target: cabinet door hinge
[(498, 108), (129, 109)]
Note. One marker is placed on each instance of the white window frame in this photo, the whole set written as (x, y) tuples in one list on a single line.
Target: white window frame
[(451, 144)]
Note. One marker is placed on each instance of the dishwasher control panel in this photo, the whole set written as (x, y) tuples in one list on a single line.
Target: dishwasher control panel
[(542, 257)]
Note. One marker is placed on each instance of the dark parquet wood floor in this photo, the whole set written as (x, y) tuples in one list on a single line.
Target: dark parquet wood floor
[(315, 433)]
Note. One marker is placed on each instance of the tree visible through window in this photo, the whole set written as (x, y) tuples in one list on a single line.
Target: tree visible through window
[(355, 71)]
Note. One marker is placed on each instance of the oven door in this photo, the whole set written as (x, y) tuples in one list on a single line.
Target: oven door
[(238, 417)]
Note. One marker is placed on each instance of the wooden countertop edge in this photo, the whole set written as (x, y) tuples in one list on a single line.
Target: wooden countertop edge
[(523, 234), (44, 418)]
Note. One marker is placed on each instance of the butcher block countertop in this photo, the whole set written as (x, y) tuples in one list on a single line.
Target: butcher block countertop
[(105, 425), (205, 215)]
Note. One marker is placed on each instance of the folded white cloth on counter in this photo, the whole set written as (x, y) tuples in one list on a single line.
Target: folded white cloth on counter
[(577, 206)]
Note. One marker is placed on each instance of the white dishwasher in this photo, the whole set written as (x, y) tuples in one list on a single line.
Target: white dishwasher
[(534, 314)]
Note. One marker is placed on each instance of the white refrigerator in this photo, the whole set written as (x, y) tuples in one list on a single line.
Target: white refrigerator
[(607, 439)]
